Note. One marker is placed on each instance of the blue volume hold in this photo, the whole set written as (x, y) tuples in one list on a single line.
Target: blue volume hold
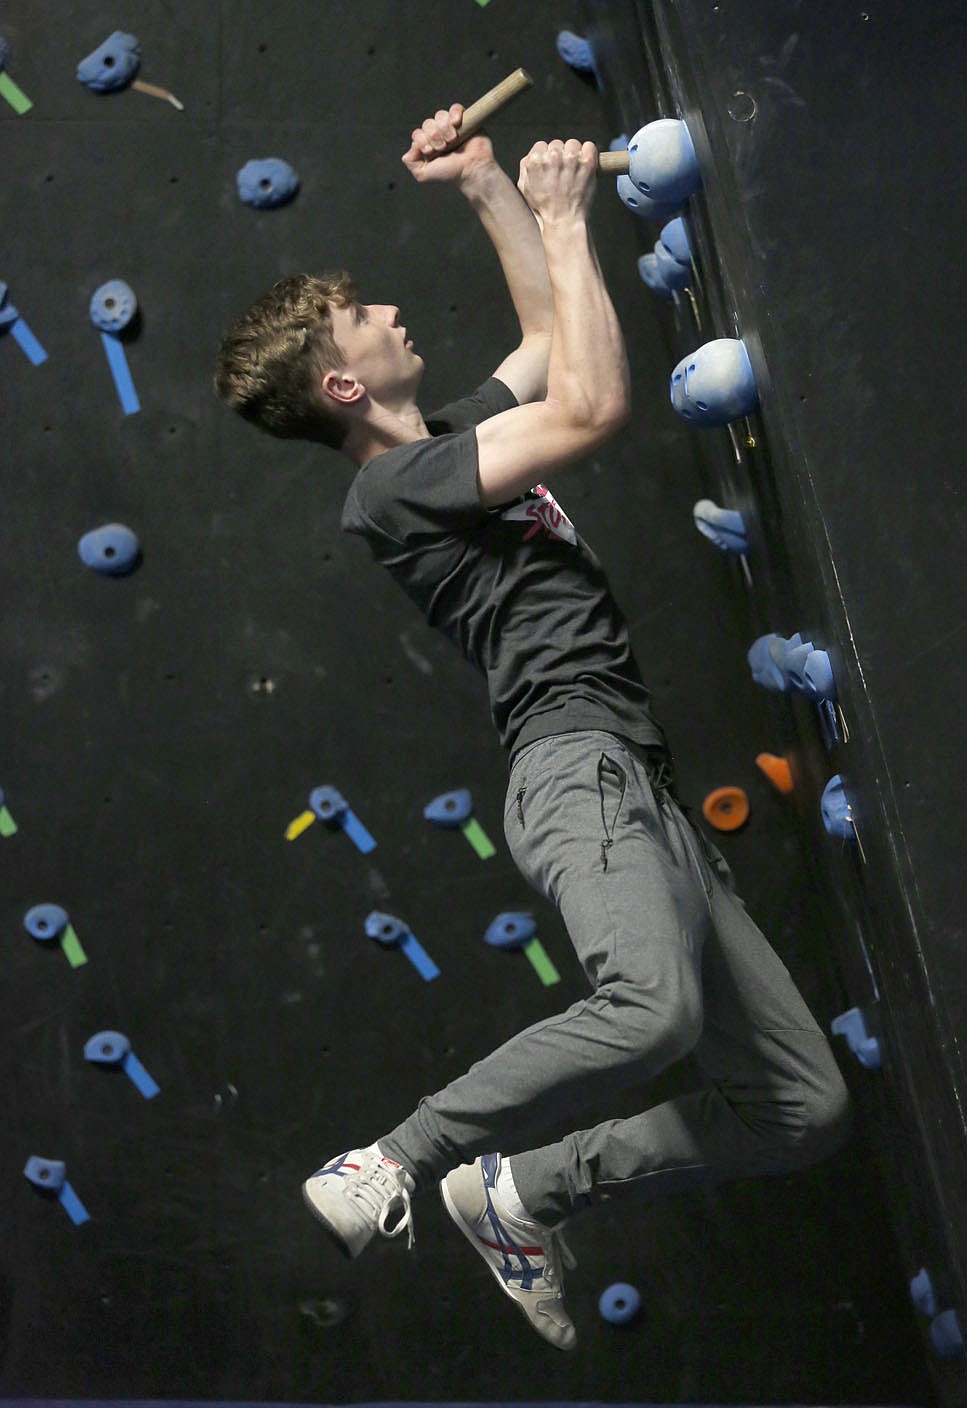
[(107, 1048), (450, 808), (266, 183), (510, 930), (45, 921), (112, 65), (112, 550), (112, 306), (620, 1303)]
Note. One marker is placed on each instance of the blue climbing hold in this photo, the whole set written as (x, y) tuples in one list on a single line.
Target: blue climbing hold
[(722, 526), (652, 276), (715, 384), (266, 182), (113, 550), (327, 803), (450, 808), (620, 1303), (8, 313), (674, 237), (576, 52), (662, 161), (922, 1293), (510, 930), (4, 53), (643, 205), (107, 1048), (836, 812), (866, 1048), (45, 921), (676, 275), (386, 928), (112, 65), (48, 1174), (113, 305), (947, 1336), (810, 672)]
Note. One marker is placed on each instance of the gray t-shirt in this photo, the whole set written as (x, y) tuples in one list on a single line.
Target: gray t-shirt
[(515, 586)]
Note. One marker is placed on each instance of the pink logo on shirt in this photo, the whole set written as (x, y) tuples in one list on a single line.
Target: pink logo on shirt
[(545, 515)]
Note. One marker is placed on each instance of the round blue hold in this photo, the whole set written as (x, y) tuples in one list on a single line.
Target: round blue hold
[(112, 65), (620, 1303), (112, 550), (674, 237), (45, 921), (662, 161), (113, 305), (643, 205), (267, 183), (715, 384), (106, 1048), (675, 274)]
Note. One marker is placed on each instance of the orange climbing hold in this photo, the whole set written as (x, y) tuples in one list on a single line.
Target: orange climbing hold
[(726, 809), (777, 770)]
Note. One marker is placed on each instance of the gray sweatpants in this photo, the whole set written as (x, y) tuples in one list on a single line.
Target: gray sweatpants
[(676, 966)]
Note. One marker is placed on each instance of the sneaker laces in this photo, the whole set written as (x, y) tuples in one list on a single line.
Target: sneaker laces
[(381, 1193)]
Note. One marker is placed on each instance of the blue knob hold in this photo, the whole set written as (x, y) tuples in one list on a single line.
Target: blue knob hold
[(636, 200), (45, 921), (510, 930), (576, 52), (651, 275), (716, 384), (722, 526), (327, 803), (8, 313), (947, 1336), (620, 1303), (386, 928), (113, 305), (450, 809), (48, 1174), (676, 275), (866, 1048), (662, 161), (674, 237), (266, 182), (107, 1048), (112, 65), (112, 550), (836, 813), (922, 1294)]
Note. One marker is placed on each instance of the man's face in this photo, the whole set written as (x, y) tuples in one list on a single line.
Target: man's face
[(377, 350)]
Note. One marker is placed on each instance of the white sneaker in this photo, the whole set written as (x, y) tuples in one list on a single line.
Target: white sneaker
[(524, 1256), (357, 1194)]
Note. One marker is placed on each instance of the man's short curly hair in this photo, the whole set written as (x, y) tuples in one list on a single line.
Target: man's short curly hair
[(270, 359)]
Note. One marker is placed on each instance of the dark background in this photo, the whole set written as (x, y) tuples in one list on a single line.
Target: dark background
[(160, 731)]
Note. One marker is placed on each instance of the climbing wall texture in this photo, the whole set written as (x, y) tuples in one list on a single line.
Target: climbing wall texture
[(161, 730)]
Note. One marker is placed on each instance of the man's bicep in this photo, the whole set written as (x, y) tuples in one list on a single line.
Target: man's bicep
[(522, 447)]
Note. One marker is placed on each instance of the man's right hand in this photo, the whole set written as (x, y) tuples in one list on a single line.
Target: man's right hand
[(558, 180)]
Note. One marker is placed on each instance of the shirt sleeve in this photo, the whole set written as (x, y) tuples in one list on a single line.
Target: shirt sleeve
[(416, 493)]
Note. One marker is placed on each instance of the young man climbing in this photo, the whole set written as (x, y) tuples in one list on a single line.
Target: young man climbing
[(454, 507)]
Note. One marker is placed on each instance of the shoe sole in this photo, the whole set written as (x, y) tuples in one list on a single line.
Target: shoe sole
[(457, 1217), (327, 1226)]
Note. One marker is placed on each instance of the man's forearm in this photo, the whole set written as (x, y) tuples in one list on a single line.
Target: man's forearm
[(588, 369), (516, 237)]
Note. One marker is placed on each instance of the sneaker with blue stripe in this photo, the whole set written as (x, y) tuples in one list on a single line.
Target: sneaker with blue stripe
[(524, 1256), (358, 1194)]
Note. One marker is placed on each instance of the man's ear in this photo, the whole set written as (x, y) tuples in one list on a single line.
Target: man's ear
[(342, 387)]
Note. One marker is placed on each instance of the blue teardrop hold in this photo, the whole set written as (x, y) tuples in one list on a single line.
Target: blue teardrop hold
[(922, 1293), (266, 182), (674, 237), (113, 550), (620, 1303), (48, 1174), (722, 526), (385, 928), (113, 305), (327, 803), (450, 808), (112, 65), (510, 930), (107, 1048), (45, 921)]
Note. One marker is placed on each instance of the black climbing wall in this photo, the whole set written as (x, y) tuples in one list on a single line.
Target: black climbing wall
[(160, 731)]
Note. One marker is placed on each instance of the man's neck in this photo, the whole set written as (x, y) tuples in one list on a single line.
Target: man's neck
[(384, 429)]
